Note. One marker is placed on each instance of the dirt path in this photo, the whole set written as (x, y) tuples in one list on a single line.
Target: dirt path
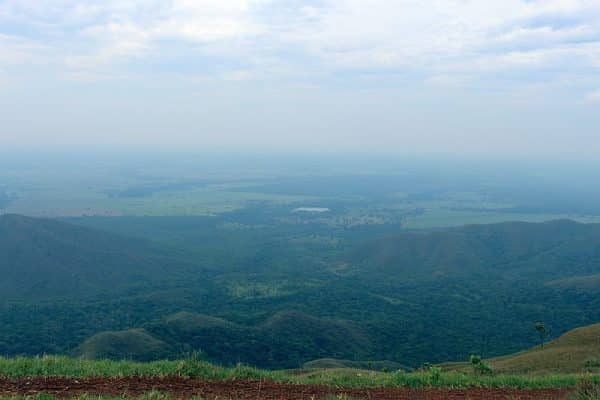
[(245, 389)]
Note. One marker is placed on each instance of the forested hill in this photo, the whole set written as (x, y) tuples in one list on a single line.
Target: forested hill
[(507, 251), (278, 342), (46, 259), (303, 290)]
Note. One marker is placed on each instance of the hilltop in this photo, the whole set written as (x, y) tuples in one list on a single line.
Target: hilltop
[(132, 344)]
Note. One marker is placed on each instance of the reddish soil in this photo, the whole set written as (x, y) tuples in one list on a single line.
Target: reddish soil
[(246, 389)]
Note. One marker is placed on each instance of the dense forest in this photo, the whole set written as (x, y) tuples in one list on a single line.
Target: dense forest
[(274, 289)]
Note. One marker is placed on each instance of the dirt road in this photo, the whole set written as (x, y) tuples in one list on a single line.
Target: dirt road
[(248, 389)]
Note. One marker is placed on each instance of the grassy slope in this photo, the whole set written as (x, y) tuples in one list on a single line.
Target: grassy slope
[(70, 367), (574, 352)]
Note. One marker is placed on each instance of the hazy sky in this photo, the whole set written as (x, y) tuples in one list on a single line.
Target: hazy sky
[(517, 77)]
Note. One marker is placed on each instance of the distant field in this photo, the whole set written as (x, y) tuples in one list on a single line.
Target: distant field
[(69, 202), (440, 217), (453, 210), (419, 199)]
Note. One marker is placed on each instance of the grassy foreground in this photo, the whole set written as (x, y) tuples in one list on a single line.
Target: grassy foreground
[(71, 367)]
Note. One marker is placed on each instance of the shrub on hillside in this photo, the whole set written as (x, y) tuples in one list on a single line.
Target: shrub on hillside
[(592, 364), (479, 366)]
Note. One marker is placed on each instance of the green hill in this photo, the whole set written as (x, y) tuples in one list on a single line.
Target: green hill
[(305, 335), (134, 344), (43, 259), (585, 283), (509, 251), (189, 323), (366, 293), (334, 363), (277, 342), (576, 351)]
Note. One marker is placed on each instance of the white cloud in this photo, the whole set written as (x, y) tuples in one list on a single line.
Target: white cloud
[(438, 38), (593, 97), (447, 81), (16, 50)]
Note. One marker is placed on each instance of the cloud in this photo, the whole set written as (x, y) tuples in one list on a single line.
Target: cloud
[(15, 50), (593, 97), (295, 39), (447, 81)]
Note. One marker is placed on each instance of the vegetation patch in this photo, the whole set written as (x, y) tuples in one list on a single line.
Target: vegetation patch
[(131, 344), (576, 351), (51, 366)]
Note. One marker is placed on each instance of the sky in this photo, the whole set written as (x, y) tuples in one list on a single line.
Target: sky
[(465, 77)]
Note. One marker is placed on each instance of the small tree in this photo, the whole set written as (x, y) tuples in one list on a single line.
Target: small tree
[(542, 331), (479, 366), (475, 359)]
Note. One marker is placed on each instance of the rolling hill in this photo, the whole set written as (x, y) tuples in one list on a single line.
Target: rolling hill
[(576, 351), (509, 251), (280, 295), (47, 259), (334, 363), (277, 342), (132, 344)]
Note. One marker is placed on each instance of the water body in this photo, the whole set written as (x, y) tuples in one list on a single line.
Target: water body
[(311, 209)]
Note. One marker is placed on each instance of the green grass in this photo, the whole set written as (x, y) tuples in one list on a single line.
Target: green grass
[(348, 378), (576, 351)]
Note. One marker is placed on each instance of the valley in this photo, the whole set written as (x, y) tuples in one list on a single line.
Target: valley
[(279, 295)]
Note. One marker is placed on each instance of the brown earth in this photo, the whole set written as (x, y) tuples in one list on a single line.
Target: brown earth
[(248, 389)]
